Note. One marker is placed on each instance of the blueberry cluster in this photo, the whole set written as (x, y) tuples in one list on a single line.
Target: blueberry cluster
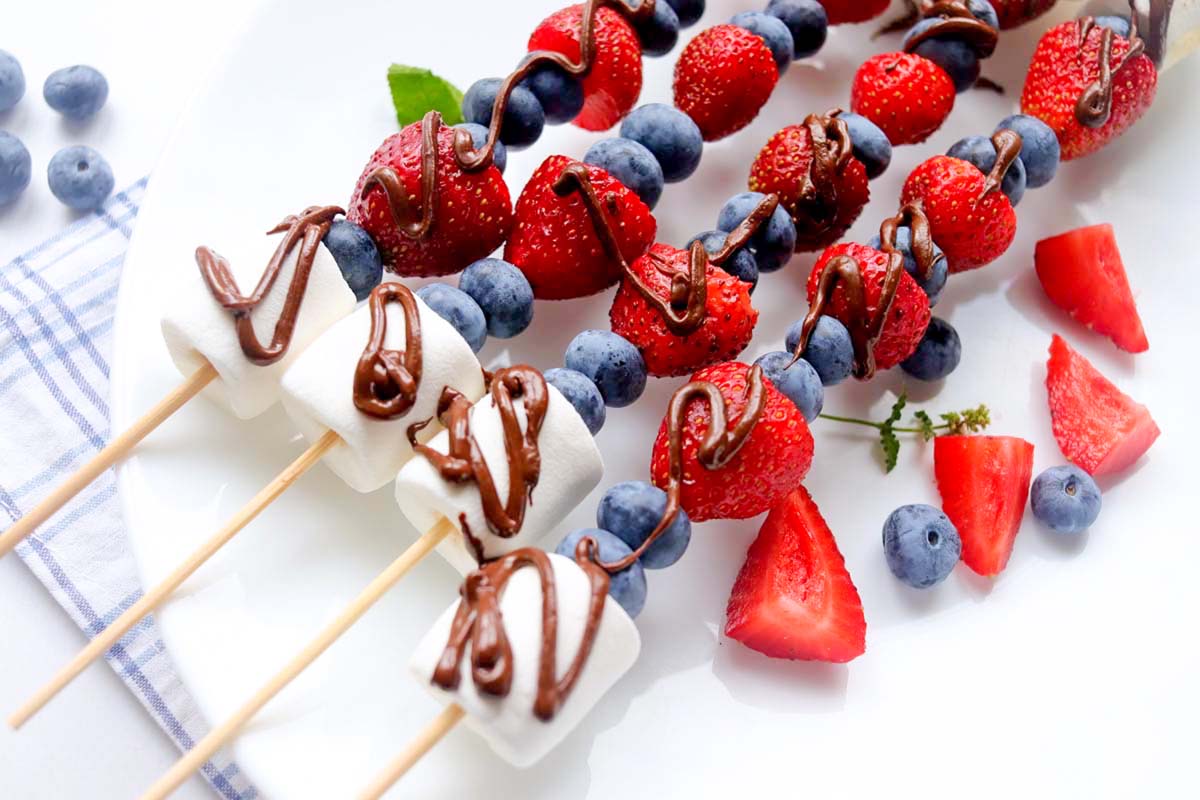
[(958, 55), (78, 176)]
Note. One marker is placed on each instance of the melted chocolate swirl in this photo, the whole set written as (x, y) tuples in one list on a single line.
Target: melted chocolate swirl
[(1094, 106), (386, 381)]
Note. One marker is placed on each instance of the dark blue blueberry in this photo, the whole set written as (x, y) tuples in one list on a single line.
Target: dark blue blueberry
[(627, 587), (479, 137), (582, 393), (356, 255), (523, 118), (80, 177), (921, 545), (670, 135), (77, 92), (560, 94), (871, 145), (983, 10), (456, 307), (611, 362), (687, 11), (1066, 499), (1118, 25), (980, 151), (955, 56), (15, 167), (504, 294), (741, 265), (938, 353), (632, 510), (12, 81), (807, 21), (660, 32), (799, 382), (774, 242), (830, 350), (773, 31), (1040, 151), (631, 164), (937, 277)]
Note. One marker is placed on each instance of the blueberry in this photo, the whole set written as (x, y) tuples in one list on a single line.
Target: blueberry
[(632, 510), (456, 307), (611, 362), (631, 164), (774, 242), (523, 117), (982, 10), (77, 92), (807, 22), (660, 32), (1040, 151), (921, 545), (687, 11), (582, 393), (479, 137), (871, 145), (15, 167), (1119, 25), (799, 382), (955, 56), (830, 350), (1066, 499), (356, 256), (773, 31), (938, 353), (80, 177), (560, 94), (12, 81), (670, 135), (741, 264), (502, 292), (937, 277), (980, 151), (627, 587)]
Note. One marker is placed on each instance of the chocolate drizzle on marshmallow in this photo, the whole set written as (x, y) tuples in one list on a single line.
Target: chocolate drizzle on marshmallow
[(386, 381)]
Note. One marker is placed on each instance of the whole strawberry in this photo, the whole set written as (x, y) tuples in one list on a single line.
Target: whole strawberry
[(723, 78), (728, 324), (771, 462), (907, 96), (1017, 12), (843, 11), (1063, 68), (972, 228), (612, 87), (554, 241), (472, 212), (909, 315)]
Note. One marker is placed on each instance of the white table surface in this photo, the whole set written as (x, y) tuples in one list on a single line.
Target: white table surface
[(94, 741)]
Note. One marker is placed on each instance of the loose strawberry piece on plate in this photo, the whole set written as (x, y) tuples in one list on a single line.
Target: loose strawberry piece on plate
[(843, 11), (1096, 425), (1083, 274), (793, 597), (723, 78), (907, 96)]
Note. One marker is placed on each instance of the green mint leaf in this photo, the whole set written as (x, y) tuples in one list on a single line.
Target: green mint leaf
[(417, 91), (887, 436), (926, 425), (897, 410)]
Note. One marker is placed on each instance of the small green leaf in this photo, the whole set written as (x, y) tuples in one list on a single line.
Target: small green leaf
[(887, 437), (417, 91), (926, 424)]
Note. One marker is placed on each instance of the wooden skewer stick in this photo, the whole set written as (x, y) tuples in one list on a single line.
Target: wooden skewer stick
[(221, 735), (154, 597), (113, 452), (438, 727)]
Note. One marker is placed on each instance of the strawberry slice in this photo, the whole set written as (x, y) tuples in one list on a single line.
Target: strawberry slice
[(793, 597), (1097, 426), (984, 483), (1083, 274)]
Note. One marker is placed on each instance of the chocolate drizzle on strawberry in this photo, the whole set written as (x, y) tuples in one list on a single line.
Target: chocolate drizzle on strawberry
[(386, 381), (1008, 147), (956, 21), (921, 238), (816, 207), (1094, 106)]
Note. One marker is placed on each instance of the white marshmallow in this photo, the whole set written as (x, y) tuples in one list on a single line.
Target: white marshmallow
[(318, 392), (571, 467), (198, 329), (508, 723)]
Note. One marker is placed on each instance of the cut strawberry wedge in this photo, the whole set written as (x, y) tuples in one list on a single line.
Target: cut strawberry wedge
[(984, 483), (1097, 426), (793, 598), (1083, 274)]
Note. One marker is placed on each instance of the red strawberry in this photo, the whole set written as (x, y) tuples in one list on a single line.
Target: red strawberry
[(1017, 12), (1082, 272), (984, 483), (1060, 73), (907, 96), (612, 87), (972, 229), (772, 461), (723, 78), (793, 597), (842, 11), (1096, 425), (728, 321), (908, 318), (472, 217), (783, 167), (554, 241)]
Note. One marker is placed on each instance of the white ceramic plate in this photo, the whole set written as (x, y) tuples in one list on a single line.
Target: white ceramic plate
[(1072, 674)]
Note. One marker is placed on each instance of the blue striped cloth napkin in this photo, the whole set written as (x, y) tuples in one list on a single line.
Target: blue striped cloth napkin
[(56, 318)]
